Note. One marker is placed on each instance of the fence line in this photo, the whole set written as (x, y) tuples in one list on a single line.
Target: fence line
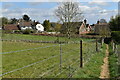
[(59, 64), (89, 56), (54, 67), (78, 67), (78, 42), (30, 65), (65, 70), (84, 63), (56, 64), (32, 41), (31, 49), (28, 49), (46, 60)]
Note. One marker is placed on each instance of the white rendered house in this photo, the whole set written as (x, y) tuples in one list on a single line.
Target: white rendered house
[(39, 27)]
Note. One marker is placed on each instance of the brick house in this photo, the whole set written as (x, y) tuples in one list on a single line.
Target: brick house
[(85, 28)]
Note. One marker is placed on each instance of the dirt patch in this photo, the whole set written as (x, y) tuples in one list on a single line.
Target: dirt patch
[(105, 67)]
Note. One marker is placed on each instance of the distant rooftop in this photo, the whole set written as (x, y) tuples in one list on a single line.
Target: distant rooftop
[(103, 21)]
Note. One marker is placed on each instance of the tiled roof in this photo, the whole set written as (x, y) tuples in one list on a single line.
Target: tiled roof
[(10, 27), (25, 24)]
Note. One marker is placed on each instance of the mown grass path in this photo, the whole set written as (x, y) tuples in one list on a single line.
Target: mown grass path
[(105, 67)]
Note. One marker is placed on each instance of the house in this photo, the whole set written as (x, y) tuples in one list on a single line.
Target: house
[(39, 28), (85, 28), (102, 27), (23, 25), (10, 27)]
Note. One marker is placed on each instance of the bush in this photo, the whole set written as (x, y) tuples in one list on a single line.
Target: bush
[(91, 34), (17, 31), (107, 40), (27, 31), (116, 36)]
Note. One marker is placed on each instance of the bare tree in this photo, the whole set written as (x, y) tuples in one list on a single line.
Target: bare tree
[(67, 13)]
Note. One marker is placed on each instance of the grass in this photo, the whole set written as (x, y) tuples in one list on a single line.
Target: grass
[(12, 61), (39, 38), (49, 68), (113, 63), (93, 68), (21, 46), (16, 60)]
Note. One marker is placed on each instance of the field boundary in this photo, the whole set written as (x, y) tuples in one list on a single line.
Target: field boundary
[(27, 49), (33, 41), (60, 54)]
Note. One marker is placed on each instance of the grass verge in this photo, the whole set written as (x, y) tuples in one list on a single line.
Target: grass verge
[(113, 63), (93, 68)]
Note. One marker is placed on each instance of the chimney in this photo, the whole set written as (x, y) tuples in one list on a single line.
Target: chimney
[(85, 21), (98, 22)]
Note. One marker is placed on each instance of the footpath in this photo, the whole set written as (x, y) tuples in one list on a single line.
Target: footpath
[(105, 67)]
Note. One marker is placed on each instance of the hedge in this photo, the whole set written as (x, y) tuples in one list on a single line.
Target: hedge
[(116, 36)]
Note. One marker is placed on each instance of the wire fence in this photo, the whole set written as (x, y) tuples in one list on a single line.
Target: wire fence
[(117, 64), (60, 60)]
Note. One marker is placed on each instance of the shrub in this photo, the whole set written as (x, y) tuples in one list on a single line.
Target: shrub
[(116, 36), (107, 40), (91, 34), (27, 31), (17, 31)]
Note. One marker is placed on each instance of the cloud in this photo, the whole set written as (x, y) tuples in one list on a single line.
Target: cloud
[(106, 14), (56, 0), (40, 0), (100, 3), (92, 13), (109, 11), (34, 3), (115, 0), (38, 14), (86, 9)]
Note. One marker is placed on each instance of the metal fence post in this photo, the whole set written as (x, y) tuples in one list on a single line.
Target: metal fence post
[(81, 58)]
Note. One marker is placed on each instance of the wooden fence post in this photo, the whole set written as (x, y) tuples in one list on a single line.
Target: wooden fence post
[(60, 57), (113, 47), (96, 45), (81, 58), (69, 71)]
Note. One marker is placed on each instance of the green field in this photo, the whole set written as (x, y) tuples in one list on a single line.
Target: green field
[(38, 38), (36, 60)]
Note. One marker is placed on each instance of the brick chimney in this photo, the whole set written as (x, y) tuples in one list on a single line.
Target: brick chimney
[(85, 21), (98, 22)]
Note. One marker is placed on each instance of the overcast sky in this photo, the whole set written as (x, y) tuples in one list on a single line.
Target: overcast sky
[(39, 11)]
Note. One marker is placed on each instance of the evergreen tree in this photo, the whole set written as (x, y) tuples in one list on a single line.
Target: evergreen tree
[(115, 23), (26, 17), (47, 25)]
